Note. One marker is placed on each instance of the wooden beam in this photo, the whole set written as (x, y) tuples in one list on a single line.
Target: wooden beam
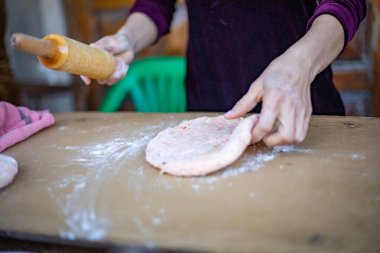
[(375, 46), (8, 87)]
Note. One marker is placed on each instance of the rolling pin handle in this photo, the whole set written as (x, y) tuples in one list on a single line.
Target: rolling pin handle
[(32, 45)]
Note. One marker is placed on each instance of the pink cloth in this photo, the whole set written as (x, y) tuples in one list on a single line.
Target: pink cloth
[(18, 123)]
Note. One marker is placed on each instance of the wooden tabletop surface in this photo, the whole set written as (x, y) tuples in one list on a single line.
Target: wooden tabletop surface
[(86, 179)]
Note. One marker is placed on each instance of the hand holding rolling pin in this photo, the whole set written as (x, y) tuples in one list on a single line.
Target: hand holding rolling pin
[(137, 33), (63, 54), (106, 60), (119, 45)]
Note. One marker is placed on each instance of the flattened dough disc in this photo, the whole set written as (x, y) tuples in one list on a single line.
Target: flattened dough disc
[(200, 146)]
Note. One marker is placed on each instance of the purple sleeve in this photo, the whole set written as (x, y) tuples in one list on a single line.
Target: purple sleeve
[(348, 12), (160, 11)]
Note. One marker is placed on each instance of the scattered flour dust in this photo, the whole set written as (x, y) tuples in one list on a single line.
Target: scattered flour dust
[(79, 204), (251, 163), (351, 156)]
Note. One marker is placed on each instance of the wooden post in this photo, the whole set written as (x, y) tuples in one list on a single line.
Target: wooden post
[(9, 90), (376, 55)]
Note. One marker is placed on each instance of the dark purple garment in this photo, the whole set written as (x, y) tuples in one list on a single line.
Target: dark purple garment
[(232, 42)]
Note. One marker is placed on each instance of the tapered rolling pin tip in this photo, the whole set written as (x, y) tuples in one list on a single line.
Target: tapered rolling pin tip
[(15, 40)]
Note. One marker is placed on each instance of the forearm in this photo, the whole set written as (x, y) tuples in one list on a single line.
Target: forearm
[(320, 45), (140, 31)]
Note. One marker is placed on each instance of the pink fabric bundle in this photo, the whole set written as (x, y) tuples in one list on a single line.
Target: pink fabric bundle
[(18, 123)]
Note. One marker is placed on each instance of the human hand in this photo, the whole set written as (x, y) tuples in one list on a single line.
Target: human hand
[(284, 89), (121, 48)]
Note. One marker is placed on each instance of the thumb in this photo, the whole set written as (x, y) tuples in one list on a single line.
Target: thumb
[(246, 103)]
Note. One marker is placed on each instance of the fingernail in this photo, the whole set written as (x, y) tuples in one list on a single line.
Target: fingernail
[(228, 114)]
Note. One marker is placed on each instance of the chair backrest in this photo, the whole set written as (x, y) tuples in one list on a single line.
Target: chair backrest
[(154, 84)]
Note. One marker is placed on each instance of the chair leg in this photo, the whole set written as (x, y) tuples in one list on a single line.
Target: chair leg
[(115, 96)]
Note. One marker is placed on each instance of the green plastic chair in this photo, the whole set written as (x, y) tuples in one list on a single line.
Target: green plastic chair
[(154, 84)]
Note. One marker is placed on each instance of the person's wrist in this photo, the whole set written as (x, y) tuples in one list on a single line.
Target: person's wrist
[(320, 45), (301, 56), (127, 38)]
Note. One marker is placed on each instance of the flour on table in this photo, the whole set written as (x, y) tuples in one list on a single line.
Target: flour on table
[(200, 146), (8, 170), (79, 205)]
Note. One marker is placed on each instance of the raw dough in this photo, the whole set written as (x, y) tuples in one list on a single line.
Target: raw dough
[(8, 170), (200, 146)]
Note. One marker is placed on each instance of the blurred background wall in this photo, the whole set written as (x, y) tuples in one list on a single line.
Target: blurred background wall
[(356, 71)]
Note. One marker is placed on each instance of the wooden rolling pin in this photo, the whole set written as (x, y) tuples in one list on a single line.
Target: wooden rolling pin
[(60, 53)]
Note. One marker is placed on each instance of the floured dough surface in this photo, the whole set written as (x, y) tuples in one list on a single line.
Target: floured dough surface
[(200, 146), (8, 170)]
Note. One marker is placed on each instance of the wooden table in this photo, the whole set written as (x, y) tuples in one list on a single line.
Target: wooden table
[(85, 180)]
